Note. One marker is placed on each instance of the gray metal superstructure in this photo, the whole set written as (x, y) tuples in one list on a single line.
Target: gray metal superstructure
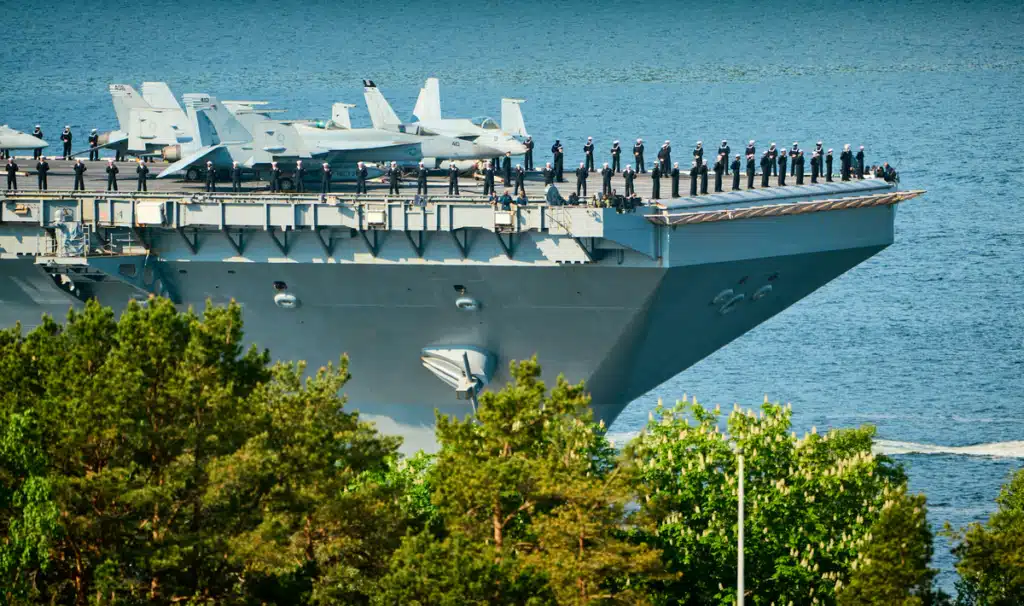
[(432, 301)]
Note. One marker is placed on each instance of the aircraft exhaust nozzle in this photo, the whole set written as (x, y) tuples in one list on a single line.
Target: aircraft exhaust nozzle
[(171, 153)]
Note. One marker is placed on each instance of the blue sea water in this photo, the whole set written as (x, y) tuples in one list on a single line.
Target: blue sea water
[(925, 341)]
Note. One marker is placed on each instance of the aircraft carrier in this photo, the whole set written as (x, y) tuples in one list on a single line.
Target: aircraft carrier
[(432, 297)]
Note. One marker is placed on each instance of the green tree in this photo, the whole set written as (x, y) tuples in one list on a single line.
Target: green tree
[(990, 556), (811, 504), (151, 459), (533, 479)]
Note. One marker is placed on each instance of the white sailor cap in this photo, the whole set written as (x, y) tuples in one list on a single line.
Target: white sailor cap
[(862, 147), (421, 164), (724, 142), (819, 142), (590, 138), (615, 141), (773, 143), (37, 126), (830, 150), (751, 142), (847, 146), (699, 143), (66, 127), (94, 130), (326, 165), (676, 164), (208, 163), (639, 140)]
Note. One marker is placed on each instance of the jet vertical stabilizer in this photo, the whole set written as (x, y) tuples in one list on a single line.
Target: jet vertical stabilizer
[(212, 122), (159, 95), (339, 115), (125, 100), (512, 117), (428, 104), (381, 114)]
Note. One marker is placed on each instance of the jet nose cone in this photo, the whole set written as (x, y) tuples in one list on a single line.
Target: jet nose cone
[(486, 151), (517, 148)]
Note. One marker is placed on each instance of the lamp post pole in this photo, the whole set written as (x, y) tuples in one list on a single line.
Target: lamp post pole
[(739, 542)]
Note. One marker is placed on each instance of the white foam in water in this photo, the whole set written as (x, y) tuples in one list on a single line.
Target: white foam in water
[(1013, 449)]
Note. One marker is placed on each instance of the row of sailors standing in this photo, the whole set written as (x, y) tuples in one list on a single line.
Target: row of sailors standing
[(43, 170)]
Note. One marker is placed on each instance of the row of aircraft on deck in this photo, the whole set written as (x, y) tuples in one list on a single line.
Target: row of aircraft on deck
[(222, 132)]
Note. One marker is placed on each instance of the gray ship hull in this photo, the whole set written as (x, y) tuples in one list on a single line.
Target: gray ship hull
[(623, 322)]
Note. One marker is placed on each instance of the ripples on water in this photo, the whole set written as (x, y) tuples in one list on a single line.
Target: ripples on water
[(924, 340)]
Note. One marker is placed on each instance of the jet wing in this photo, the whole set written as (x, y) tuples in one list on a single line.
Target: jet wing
[(219, 154)]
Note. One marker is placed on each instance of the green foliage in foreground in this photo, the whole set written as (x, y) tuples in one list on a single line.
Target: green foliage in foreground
[(151, 459), (990, 557)]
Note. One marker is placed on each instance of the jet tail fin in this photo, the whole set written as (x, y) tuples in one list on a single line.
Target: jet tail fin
[(428, 104), (125, 100), (159, 95), (212, 123), (512, 117), (381, 114), (339, 115)]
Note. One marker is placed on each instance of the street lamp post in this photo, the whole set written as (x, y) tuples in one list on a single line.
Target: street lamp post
[(739, 541)]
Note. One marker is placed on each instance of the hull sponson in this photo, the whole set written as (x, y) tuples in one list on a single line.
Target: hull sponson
[(27, 292)]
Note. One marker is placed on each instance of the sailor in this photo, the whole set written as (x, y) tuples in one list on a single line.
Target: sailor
[(489, 179), (845, 160), (782, 167), (557, 154), (719, 171), (815, 166), (773, 155), (361, 174), (111, 175), (94, 142), (38, 134), (860, 162), (528, 159), (236, 177), (698, 152), (629, 175), (675, 180), (818, 150), (581, 179), (141, 173), (751, 150), (606, 180), (750, 171), (638, 155), (325, 178), (520, 180), (65, 138), (79, 175), (828, 166), (549, 174), (890, 174), (723, 150), (792, 155), (421, 179), (588, 154), (666, 157), (694, 177), (211, 177), (704, 177), (42, 167), (395, 178), (799, 161), (616, 153), (656, 181), (300, 177), (12, 174), (453, 179), (506, 169), (275, 177), (766, 168), (735, 173)]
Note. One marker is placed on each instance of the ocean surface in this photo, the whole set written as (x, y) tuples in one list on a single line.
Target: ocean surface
[(925, 340)]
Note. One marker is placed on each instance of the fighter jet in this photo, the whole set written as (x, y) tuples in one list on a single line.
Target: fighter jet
[(481, 130), (254, 140), (11, 139), (147, 124)]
